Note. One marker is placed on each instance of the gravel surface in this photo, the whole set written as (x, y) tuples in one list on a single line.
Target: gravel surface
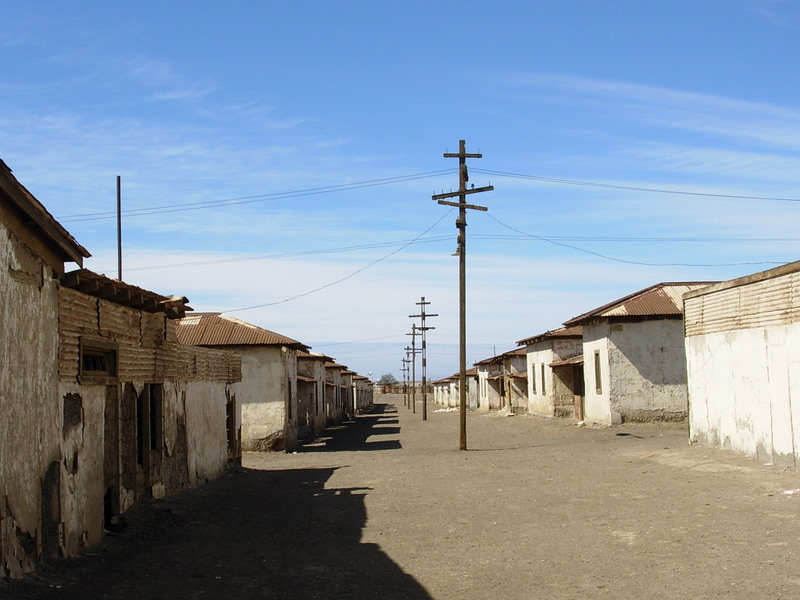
[(387, 507)]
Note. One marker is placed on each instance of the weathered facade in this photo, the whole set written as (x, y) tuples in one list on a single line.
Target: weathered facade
[(634, 358), (268, 393), (743, 363), (554, 361), (446, 391), (334, 396), (312, 418), (33, 250), (502, 382), (491, 390), (515, 376), (362, 391), (143, 416)]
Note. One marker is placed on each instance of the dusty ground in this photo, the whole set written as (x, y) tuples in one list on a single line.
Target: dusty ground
[(389, 508)]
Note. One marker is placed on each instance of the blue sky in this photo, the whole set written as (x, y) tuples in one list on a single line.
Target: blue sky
[(282, 155)]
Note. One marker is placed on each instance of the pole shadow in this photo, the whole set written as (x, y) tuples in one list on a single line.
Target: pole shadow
[(358, 434)]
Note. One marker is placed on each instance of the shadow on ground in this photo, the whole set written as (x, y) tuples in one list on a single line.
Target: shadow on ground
[(250, 534), (362, 433)]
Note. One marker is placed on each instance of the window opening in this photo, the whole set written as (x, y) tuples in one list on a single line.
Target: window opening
[(597, 382)]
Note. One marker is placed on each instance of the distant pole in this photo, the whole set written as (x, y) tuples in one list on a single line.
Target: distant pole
[(405, 362), (461, 224), (414, 353), (119, 227), (423, 328)]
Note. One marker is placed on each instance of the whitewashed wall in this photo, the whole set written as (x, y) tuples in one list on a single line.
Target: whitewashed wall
[(744, 390)]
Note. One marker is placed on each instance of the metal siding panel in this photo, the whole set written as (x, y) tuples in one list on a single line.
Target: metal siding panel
[(765, 303)]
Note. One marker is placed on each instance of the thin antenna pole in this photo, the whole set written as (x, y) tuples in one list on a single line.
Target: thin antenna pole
[(119, 227)]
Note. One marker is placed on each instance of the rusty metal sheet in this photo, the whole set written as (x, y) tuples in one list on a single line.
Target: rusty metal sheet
[(560, 333), (659, 300), (215, 329)]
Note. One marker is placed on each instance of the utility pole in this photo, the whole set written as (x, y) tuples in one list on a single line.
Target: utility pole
[(414, 351), (461, 250), (404, 369), (423, 328)]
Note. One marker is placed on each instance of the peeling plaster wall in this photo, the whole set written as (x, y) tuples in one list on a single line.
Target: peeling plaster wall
[(269, 385), (82, 466), (29, 443), (206, 433), (642, 370), (648, 370)]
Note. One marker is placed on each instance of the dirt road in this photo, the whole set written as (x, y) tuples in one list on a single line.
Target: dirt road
[(388, 508)]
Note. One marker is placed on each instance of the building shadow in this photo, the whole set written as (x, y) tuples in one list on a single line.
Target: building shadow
[(361, 433), (251, 534)]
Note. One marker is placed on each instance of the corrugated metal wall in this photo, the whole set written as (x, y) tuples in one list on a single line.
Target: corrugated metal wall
[(147, 347), (766, 303)]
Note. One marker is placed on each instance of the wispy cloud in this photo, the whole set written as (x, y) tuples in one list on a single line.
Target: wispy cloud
[(781, 13), (733, 119)]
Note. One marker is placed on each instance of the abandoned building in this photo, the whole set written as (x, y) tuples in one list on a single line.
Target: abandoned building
[(634, 357), (446, 391), (143, 415), (555, 372), (108, 408), (268, 393), (502, 382)]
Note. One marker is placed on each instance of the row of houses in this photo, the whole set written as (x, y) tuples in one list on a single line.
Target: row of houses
[(720, 355), (288, 394), (110, 394)]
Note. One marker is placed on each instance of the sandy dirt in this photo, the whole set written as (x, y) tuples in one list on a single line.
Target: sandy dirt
[(387, 507)]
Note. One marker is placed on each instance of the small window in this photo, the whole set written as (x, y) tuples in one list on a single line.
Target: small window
[(598, 384), (98, 361), (544, 391), (533, 379)]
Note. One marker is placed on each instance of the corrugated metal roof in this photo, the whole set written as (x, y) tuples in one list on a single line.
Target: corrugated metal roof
[(659, 300), (215, 329), (499, 358), (560, 333)]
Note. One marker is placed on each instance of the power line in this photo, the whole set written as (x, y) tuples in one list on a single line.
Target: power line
[(170, 208), (201, 263), (626, 261), (353, 274), (594, 238), (385, 337), (630, 188)]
